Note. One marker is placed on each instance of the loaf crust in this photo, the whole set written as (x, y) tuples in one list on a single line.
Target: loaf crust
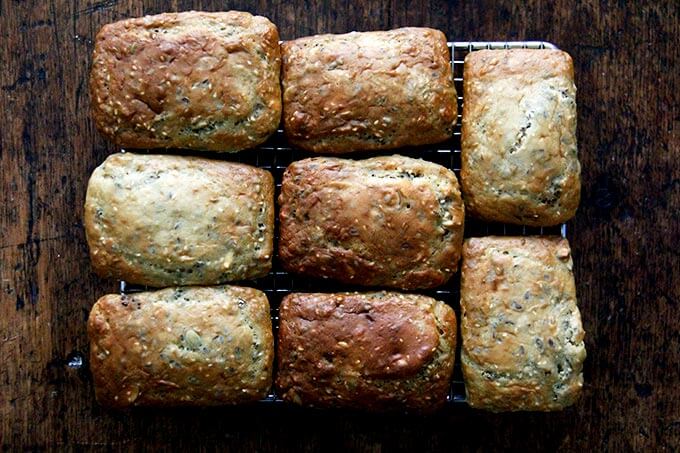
[(163, 220), (193, 346), (373, 351), (368, 91), (387, 221), (196, 80), (519, 153), (521, 329)]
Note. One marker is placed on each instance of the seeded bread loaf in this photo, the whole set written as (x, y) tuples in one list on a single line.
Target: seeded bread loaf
[(196, 80), (521, 329), (163, 220), (194, 346), (519, 154), (387, 221), (368, 91), (373, 351)]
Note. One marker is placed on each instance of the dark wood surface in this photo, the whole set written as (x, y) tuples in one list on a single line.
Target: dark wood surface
[(625, 236)]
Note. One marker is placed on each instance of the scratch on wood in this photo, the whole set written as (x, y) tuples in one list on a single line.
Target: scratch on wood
[(33, 241), (30, 71), (97, 7), (33, 292), (26, 26)]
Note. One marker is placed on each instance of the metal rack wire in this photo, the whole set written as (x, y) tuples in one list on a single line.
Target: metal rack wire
[(276, 154)]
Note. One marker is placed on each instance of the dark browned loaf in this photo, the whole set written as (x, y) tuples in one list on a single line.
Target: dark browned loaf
[(388, 221), (374, 351)]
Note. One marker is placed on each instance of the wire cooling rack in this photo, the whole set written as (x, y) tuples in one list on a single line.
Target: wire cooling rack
[(276, 154)]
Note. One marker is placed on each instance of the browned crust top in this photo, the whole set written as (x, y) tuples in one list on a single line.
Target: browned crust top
[(370, 90), (196, 80), (191, 346), (387, 221), (374, 351)]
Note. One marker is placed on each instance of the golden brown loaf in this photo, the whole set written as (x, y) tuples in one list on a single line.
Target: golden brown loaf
[(366, 91), (195, 346), (170, 220), (519, 155), (207, 81), (372, 351), (387, 221), (521, 329)]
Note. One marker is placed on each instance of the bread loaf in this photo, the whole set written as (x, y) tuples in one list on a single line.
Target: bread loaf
[(373, 351), (368, 91), (196, 80), (521, 328), (519, 154), (194, 346), (387, 221), (163, 220)]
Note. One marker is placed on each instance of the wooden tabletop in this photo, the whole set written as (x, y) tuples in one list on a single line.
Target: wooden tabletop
[(625, 236)]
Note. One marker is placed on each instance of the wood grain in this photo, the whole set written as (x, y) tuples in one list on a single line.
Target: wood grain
[(625, 237)]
